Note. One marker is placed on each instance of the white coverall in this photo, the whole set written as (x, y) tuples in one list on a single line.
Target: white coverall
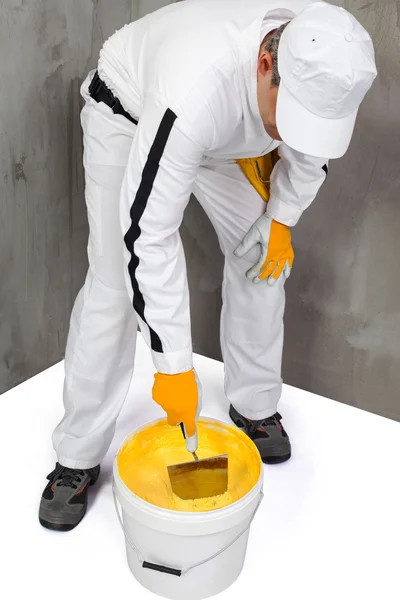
[(188, 73)]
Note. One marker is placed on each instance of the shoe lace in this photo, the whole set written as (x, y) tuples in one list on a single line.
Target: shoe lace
[(66, 477), (274, 420)]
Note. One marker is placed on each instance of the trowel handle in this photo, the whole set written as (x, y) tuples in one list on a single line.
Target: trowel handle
[(192, 442)]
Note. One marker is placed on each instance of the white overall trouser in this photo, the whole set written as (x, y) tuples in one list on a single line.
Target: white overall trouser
[(100, 352)]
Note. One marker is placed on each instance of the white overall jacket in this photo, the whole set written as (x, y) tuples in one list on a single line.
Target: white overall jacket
[(188, 73)]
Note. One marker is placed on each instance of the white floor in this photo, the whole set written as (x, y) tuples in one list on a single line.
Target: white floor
[(329, 527)]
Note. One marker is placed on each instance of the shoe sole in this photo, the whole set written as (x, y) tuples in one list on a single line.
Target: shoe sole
[(268, 460), (276, 460), (58, 526)]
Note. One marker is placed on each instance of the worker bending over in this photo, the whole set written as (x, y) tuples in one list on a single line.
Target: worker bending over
[(242, 104)]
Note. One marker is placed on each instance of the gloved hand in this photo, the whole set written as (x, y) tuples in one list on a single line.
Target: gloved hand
[(276, 255), (180, 396)]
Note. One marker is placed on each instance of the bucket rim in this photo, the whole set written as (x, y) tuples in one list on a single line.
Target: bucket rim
[(181, 515)]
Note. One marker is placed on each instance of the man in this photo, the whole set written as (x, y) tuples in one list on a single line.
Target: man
[(196, 97)]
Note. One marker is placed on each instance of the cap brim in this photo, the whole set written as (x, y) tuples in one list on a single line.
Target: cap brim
[(307, 133)]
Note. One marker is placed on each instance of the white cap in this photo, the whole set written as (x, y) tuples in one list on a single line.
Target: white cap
[(326, 62)]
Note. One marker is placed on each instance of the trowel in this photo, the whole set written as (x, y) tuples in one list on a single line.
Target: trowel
[(200, 478)]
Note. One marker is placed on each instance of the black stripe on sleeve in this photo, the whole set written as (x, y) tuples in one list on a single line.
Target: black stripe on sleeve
[(138, 207), (325, 168)]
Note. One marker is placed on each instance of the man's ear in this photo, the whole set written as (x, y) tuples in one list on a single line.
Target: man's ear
[(265, 63)]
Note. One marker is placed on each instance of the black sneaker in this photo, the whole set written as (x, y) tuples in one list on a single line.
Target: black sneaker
[(64, 500), (268, 435)]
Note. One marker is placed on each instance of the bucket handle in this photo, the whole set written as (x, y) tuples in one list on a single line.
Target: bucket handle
[(178, 572)]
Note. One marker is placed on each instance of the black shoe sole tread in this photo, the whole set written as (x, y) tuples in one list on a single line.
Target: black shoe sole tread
[(58, 526)]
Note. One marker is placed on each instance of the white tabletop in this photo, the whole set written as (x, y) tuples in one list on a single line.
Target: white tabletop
[(329, 526)]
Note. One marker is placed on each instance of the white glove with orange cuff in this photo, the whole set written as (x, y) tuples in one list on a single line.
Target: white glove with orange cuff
[(276, 251)]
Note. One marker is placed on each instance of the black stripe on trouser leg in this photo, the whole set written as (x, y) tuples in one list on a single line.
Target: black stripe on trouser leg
[(137, 209)]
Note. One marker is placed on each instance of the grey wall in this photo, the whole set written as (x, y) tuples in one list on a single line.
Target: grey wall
[(143, 7), (46, 48), (343, 307)]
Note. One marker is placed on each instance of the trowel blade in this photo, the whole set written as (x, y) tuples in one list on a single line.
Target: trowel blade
[(200, 479)]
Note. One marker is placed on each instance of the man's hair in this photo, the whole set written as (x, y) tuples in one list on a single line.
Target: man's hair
[(272, 46)]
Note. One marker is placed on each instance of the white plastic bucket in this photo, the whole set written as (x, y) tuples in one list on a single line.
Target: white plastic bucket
[(184, 555)]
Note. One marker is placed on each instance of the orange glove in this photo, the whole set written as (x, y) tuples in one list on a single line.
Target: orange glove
[(179, 396), (276, 255)]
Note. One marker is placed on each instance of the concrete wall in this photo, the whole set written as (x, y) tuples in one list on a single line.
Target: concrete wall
[(343, 307), (143, 7), (46, 48)]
